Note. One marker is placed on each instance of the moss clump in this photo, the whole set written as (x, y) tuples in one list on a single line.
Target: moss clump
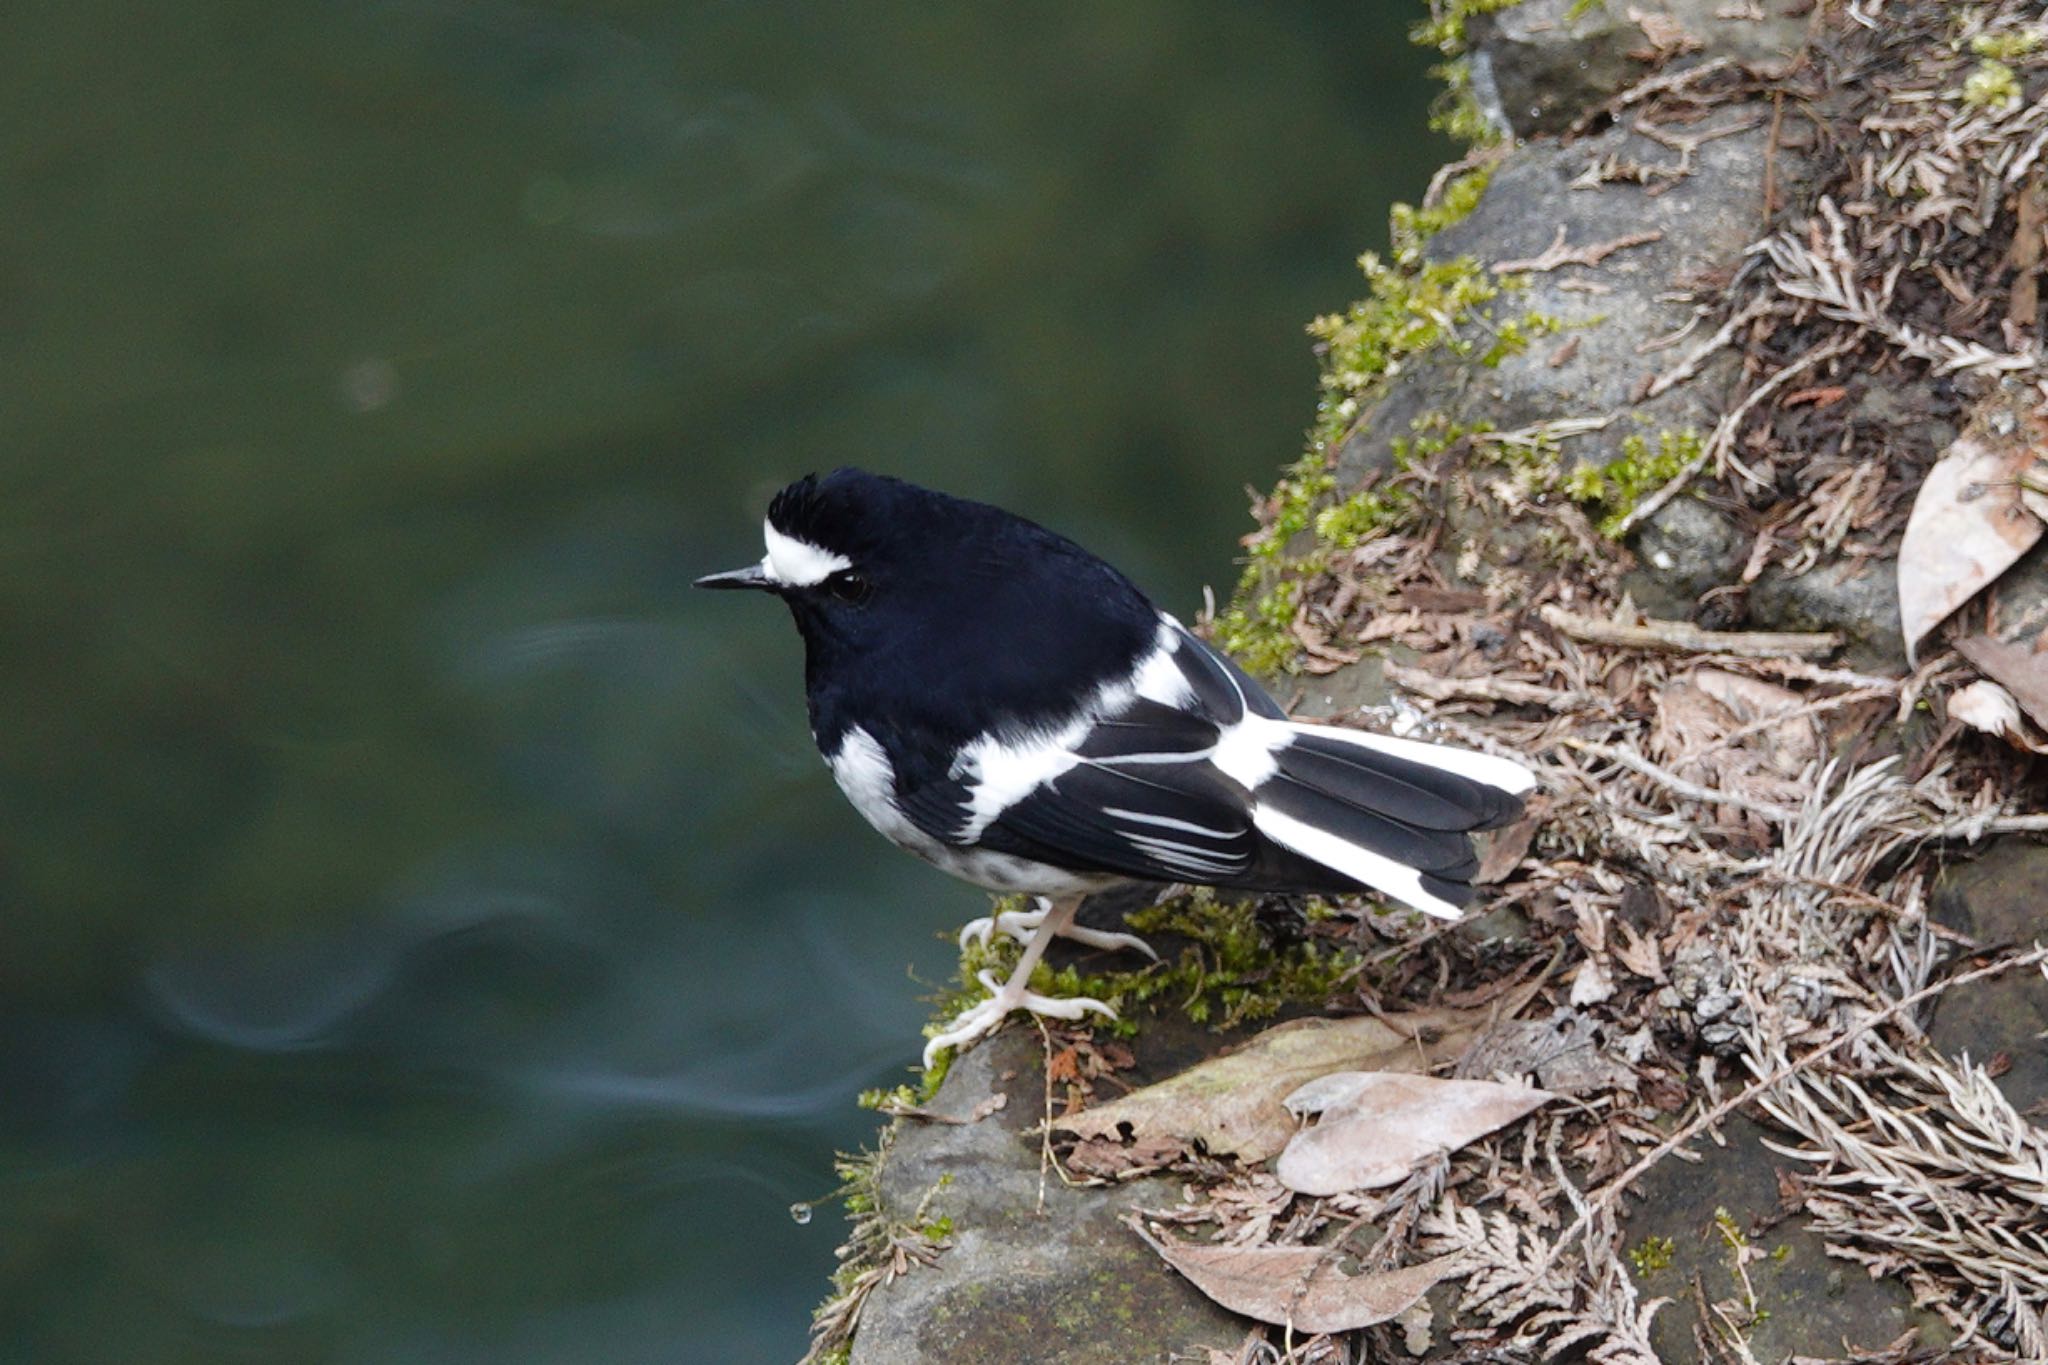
[(1444, 30), (1617, 486), (1409, 228), (875, 1243), (1362, 516), (1412, 307), (1653, 1255), (1456, 113), (1993, 85), (1232, 972), (2008, 46)]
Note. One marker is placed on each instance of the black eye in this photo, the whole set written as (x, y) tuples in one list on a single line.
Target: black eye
[(849, 586)]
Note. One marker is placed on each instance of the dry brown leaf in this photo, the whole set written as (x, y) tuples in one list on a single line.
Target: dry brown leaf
[(1640, 954), (1378, 1126), (1302, 1287), (2017, 668), (1984, 705), (1504, 852), (1967, 527), (1752, 701), (1231, 1104), (1108, 1159)]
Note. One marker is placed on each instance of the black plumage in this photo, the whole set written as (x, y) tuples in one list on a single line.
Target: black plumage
[(1007, 706)]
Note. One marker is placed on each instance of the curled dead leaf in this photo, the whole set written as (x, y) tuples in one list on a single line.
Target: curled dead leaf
[(2015, 667), (1968, 526), (1302, 1287), (1379, 1126), (1984, 705)]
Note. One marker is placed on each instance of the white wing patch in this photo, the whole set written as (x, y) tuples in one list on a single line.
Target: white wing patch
[(798, 563), (1002, 770), (1245, 751), (1000, 774)]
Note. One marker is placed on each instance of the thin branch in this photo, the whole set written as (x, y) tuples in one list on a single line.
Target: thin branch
[(1687, 638), (1692, 791), (1557, 254)]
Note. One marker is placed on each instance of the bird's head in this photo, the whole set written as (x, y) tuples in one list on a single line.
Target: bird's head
[(840, 548)]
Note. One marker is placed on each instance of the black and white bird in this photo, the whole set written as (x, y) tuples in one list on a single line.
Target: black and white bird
[(1014, 711)]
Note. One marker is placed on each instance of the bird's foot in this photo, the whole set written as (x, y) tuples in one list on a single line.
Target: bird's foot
[(1021, 924), (979, 1021)]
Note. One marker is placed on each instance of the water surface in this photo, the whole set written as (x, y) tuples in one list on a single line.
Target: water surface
[(426, 934)]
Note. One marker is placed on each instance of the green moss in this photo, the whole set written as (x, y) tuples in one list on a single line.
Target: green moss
[(1444, 30), (1653, 1255), (1456, 112), (874, 1241), (1992, 85), (2008, 46), (1256, 628), (1614, 489), (1409, 228), (1232, 972), (1431, 434), (1412, 306)]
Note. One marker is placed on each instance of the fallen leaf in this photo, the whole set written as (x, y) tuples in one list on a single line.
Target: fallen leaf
[(2018, 669), (1505, 850), (1752, 701), (1378, 1126), (1108, 1159), (1984, 705), (1967, 527), (1593, 984), (1638, 953), (1300, 1287), (1232, 1104)]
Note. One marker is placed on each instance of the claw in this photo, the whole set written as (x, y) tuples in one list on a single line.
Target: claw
[(1021, 924), (983, 1019)]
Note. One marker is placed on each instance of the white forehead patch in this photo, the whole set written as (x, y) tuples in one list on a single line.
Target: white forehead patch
[(798, 563)]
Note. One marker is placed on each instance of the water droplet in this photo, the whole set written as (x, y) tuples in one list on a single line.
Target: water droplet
[(800, 1212)]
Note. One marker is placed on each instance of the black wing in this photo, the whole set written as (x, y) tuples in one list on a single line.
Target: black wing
[(1141, 798)]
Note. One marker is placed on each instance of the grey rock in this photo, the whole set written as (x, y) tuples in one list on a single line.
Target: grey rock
[(1686, 549), (1858, 597), (1623, 335), (1546, 66), (1619, 339), (1814, 1306), (1039, 1274), (1997, 898)]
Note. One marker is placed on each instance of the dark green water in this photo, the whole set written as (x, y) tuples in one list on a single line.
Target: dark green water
[(426, 934)]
